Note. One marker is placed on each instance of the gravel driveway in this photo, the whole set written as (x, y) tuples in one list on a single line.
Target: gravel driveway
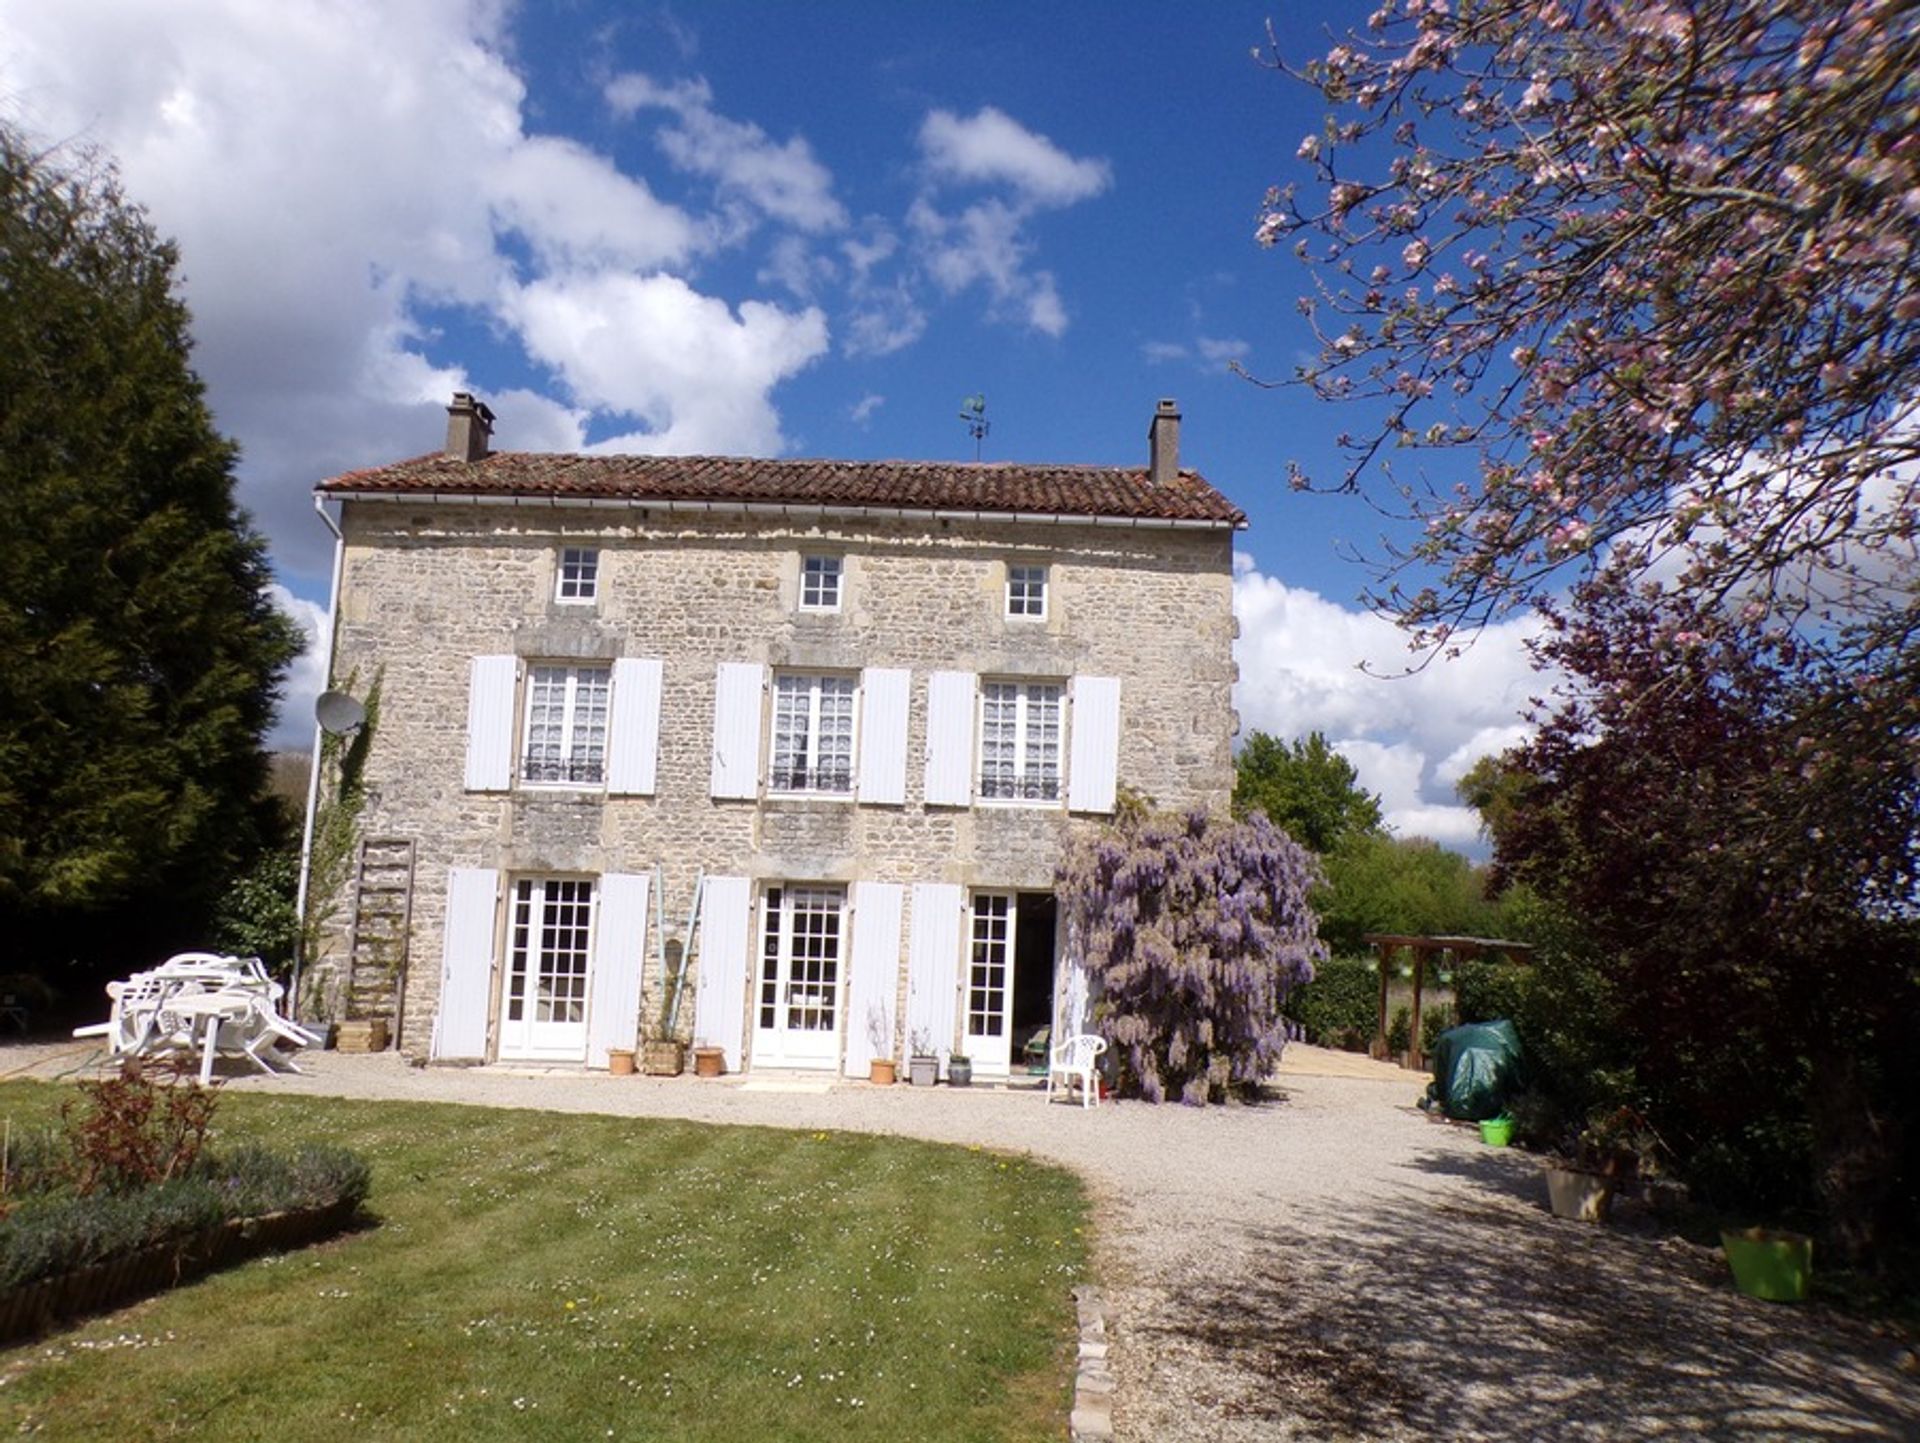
[(1327, 1265)]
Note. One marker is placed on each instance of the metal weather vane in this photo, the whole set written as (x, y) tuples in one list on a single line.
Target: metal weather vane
[(973, 411)]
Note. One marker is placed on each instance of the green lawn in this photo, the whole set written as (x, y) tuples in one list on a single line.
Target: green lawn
[(536, 1275)]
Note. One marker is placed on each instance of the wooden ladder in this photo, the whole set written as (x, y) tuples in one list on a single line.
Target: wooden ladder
[(377, 936)]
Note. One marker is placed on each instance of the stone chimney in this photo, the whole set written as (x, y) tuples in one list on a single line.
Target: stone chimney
[(1163, 443), (469, 427)]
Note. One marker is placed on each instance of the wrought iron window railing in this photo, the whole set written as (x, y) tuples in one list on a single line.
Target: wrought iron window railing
[(1002, 788), (587, 771), (811, 779)]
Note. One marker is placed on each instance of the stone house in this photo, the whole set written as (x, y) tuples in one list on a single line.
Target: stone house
[(783, 751)]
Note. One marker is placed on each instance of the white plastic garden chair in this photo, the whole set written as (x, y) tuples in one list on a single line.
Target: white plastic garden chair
[(1077, 1059)]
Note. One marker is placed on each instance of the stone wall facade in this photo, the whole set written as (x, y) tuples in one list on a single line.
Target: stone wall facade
[(426, 587)]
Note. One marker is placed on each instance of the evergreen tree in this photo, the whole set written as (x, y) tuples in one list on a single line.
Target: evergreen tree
[(142, 654)]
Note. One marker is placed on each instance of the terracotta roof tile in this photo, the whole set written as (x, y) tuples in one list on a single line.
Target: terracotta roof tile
[(1032, 489)]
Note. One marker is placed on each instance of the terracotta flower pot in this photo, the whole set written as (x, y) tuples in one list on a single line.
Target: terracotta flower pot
[(620, 1061), (881, 1072), (709, 1062)]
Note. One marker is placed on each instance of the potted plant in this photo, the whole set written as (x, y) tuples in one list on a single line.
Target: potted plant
[(663, 1057), (923, 1067), (661, 1053), (881, 1069), (1616, 1146), (959, 1070)]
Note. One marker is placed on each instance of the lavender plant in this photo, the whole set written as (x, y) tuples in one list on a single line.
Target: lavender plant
[(1193, 929)]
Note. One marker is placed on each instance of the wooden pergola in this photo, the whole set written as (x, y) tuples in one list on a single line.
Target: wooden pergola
[(1460, 949)]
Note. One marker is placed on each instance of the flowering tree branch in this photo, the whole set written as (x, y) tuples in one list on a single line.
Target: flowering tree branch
[(1655, 266)]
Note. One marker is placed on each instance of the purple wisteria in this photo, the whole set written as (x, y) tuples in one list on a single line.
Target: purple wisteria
[(1193, 929)]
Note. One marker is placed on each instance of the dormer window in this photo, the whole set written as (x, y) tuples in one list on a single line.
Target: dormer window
[(1027, 592), (579, 578), (820, 583)]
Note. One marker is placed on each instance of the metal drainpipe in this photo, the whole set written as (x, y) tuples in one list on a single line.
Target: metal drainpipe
[(313, 771)]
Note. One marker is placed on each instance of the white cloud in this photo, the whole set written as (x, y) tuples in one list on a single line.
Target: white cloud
[(783, 180), (863, 409), (884, 321), (795, 267), (1222, 349), (993, 148), (336, 170), (306, 678), (1159, 351), (985, 242), (1410, 737), (652, 347), (538, 189)]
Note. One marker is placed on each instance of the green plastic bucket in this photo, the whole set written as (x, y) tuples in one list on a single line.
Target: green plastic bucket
[(1769, 1264), (1497, 1131)]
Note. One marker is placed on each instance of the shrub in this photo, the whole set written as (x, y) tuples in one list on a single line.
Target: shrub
[(252, 1179), (1488, 991), (129, 1131), (56, 1232), (1340, 1007), (1400, 1030), (1433, 1021), (1194, 931)]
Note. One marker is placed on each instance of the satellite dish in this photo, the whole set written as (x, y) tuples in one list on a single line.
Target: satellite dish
[(339, 713)]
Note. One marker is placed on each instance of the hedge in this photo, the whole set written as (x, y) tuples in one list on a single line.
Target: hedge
[(50, 1233), (1341, 1006)]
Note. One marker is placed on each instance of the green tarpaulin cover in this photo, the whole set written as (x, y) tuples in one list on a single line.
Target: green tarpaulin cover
[(1476, 1067)]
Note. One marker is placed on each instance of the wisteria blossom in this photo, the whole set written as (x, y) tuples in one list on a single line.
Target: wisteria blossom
[(1193, 929)]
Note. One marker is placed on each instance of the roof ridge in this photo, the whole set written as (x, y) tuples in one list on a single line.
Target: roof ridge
[(1057, 488), (897, 461)]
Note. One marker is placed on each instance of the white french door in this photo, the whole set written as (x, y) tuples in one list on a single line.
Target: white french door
[(543, 1006), (990, 982), (802, 955)]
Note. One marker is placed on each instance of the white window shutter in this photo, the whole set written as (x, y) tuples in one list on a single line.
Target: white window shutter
[(933, 964), (736, 729), (1095, 756), (950, 702), (633, 728), (720, 993), (619, 954), (466, 966), (875, 975), (883, 735), (490, 689)]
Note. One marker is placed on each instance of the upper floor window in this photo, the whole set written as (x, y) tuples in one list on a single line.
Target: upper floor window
[(812, 734), (1020, 731), (579, 573), (566, 733), (1027, 591), (820, 583)]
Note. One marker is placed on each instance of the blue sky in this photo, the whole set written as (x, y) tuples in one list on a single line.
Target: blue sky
[(758, 229)]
